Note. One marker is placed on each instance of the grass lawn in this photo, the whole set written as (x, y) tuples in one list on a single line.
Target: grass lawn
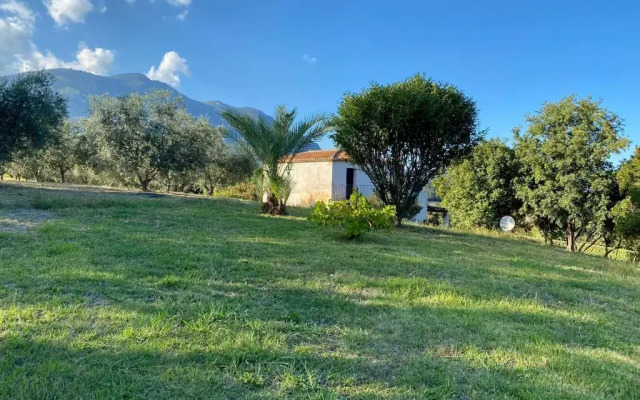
[(118, 295)]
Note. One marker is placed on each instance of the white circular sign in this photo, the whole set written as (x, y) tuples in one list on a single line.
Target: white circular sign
[(507, 223)]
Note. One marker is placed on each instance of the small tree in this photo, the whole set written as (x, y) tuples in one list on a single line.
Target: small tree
[(225, 165), (273, 145), (403, 134), (29, 163), (566, 178), (30, 112), (479, 190), (230, 167), (67, 151), (144, 136), (181, 153)]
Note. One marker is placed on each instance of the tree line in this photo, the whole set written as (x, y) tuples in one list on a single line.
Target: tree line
[(147, 141), (557, 178)]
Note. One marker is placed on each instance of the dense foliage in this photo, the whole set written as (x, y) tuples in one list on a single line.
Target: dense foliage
[(225, 166), (356, 215), (626, 213), (30, 113), (478, 191), (273, 144), (147, 141), (70, 148), (146, 136), (403, 134), (566, 180)]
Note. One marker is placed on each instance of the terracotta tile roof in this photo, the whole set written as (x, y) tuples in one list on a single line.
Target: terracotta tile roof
[(320, 155)]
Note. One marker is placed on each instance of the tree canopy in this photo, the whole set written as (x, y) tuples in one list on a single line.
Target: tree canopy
[(143, 136), (67, 151), (403, 134), (567, 181), (30, 112), (479, 190), (626, 214)]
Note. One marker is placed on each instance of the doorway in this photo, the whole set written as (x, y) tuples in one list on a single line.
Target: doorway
[(350, 176)]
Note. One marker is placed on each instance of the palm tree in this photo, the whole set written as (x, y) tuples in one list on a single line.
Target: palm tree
[(274, 145)]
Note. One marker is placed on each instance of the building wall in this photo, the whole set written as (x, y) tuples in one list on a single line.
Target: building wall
[(324, 180), (311, 183), (360, 180), (364, 186)]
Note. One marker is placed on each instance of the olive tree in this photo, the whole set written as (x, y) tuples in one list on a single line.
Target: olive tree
[(403, 134), (146, 136), (226, 165), (67, 151), (30, 112)]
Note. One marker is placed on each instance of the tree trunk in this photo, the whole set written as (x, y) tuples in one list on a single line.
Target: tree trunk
[(209, 190), (272, 206), (398, 219), (144, 184), (62, 178), (571, 241)]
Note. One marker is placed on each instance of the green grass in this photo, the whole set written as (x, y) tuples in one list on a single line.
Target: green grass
[(122, 296)]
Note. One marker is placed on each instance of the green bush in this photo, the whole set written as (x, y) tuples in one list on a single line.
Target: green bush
[(242, 190), (356, 215)]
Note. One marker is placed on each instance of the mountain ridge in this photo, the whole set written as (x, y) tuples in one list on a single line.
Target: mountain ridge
[(77, 86)]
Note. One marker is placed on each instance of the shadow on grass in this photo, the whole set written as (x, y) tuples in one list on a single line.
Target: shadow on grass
[(172, 297)]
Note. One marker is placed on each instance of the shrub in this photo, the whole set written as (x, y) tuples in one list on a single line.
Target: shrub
[(356, 215), (242, 190)]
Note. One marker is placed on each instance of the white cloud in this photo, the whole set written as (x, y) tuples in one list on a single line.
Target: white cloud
[(19, 53), (183, 15), (309, 59), (66, 11), (96, 61), (169, 70), (179, 3), (17, 24)]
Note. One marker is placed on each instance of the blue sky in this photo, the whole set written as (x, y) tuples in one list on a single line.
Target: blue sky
[(510, 56)]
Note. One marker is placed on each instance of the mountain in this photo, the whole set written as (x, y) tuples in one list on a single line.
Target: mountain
[(77, 86)]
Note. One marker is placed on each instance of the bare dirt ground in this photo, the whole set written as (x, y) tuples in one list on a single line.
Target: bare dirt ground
[(22, 220), (17, 214)]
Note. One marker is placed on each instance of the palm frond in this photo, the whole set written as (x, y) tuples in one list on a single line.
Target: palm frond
[(272, 143)]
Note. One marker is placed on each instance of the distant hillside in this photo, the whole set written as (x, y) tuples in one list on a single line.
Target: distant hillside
[(77, 86)]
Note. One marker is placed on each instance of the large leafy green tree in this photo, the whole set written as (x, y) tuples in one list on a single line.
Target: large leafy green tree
[(146, 136), (567, 180), (403, 134), (479, 190), (273, 144), (30, 112), (626, 213)]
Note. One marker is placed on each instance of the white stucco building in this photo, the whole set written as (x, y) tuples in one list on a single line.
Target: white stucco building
[(322, 175)]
